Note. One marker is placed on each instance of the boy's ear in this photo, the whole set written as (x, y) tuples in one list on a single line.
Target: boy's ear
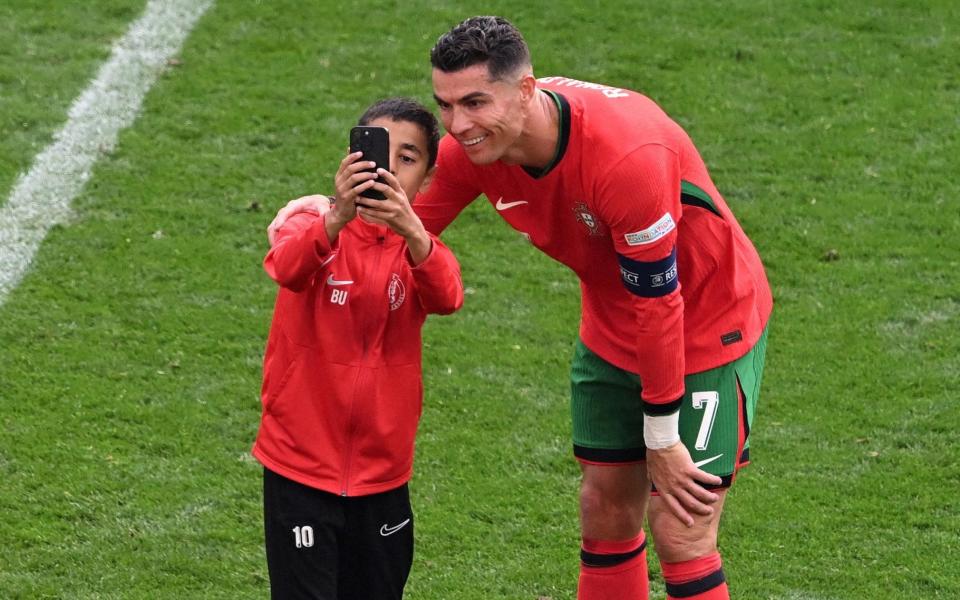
[(426, 179)]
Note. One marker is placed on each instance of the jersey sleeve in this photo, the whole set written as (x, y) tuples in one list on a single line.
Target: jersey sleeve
[(439, 285), (639, 200), (451, 188), (300, 250)]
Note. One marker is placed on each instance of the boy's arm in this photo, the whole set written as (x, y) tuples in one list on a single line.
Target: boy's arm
[(301, 248), (439, 286)]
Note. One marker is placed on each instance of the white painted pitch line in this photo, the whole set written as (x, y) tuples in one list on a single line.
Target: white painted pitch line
[(41, 198)]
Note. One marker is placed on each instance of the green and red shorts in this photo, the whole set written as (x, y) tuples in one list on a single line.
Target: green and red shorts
[(716, 414)]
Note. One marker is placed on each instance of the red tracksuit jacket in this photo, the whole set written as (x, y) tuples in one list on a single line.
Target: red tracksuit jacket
[(342, 389)]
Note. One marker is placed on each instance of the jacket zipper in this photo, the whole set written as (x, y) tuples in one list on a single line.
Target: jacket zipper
[(362, 374)]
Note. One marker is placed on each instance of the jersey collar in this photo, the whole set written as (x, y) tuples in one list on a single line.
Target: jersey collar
[(563, 107)]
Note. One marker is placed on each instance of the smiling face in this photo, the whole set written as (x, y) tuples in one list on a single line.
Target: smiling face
[(409, 160), (486, 116)]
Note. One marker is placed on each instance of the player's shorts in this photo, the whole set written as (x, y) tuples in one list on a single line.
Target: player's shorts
[(716, 413)]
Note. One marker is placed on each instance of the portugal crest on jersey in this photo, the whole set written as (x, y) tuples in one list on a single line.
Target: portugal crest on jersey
[(586, 217)]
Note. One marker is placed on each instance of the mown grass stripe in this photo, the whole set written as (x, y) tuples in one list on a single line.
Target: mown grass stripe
[(41, 198)]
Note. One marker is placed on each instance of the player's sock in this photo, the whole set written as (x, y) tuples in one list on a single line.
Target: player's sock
[(613, 570), (698, 579)]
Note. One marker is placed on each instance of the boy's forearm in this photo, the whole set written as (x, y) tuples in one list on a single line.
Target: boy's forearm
[(333, 222), (438, 281), (419, 245)]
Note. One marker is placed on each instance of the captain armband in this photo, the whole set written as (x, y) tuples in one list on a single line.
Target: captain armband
[(650, 279)]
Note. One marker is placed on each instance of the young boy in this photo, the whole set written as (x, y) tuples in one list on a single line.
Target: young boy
[(342, 386)]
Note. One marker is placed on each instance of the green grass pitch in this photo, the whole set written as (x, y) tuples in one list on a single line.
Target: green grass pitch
[(130, 353)]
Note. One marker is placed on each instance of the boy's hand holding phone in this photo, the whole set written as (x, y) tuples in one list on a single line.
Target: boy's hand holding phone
[(369, 150), (395, 212), (353, 178)]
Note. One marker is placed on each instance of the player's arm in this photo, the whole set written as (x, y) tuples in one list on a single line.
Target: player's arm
[(350, 176), (452, 188), (300, 249), (640, 201), (303, 242)]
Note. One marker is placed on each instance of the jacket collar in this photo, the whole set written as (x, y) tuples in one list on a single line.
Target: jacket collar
[(373, 233)]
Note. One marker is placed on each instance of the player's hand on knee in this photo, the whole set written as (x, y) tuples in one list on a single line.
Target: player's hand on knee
[(315, 203), (678, 482)]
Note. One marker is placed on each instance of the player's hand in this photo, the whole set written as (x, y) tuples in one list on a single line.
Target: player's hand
[(315, 203), (396, 213), (673, 472)]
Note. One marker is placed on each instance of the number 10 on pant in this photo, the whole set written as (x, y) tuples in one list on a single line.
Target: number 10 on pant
[(303, 536)]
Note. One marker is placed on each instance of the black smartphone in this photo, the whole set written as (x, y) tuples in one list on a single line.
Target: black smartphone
[(374, 142)]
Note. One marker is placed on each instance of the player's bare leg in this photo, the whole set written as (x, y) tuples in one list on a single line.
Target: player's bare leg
[(688, 555), (613, 502)]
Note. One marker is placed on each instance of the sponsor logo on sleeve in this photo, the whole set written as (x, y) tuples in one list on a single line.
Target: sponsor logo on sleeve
[(653, 233)]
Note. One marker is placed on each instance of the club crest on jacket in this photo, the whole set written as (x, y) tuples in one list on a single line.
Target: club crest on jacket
[(396, 293)]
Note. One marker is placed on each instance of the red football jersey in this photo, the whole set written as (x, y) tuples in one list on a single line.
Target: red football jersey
[(670, 283)]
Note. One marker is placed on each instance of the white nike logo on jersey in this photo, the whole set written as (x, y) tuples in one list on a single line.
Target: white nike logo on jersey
[(385, 531), (501, 205), (705, 461), (332, 281)]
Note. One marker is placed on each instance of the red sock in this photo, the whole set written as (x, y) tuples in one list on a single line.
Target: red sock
[(613, 570), (698, 579)]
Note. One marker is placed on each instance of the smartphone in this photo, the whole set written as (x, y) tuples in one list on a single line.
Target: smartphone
[(374, 142)]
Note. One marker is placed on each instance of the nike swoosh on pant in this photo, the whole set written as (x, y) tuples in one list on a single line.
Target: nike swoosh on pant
[(705, 461), (385, 531)]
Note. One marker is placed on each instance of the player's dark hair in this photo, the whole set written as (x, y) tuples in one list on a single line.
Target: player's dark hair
[(405, 109), (491, 40)]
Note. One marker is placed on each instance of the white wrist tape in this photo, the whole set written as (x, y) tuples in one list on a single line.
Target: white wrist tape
[(661, 432)]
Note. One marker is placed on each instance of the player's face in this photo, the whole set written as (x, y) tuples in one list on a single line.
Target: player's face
[(408, 153), (485, 116)]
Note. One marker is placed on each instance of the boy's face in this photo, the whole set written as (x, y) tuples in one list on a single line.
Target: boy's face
[(408, 154)]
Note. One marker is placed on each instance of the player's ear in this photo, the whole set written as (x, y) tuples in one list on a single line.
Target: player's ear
[(528, 87), (427, 179)]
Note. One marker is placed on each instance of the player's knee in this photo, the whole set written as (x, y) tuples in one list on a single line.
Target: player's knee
[(600, 504), (684, 543)]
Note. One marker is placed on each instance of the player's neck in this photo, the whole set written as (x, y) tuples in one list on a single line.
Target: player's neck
[(537, 144)]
